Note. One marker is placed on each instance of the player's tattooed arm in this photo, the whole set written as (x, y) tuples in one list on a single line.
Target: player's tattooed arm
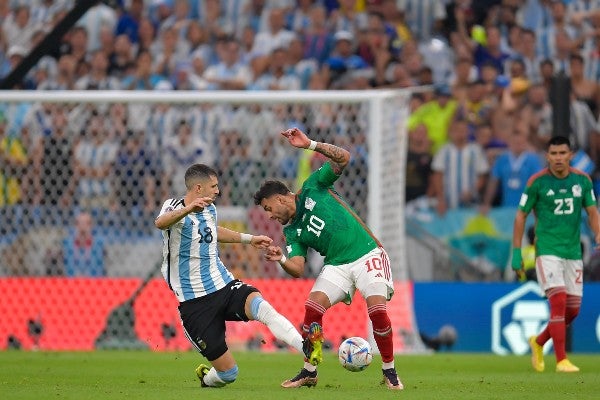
[(337, 155)]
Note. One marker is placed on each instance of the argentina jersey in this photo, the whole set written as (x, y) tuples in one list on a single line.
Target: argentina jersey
[(191, 263)]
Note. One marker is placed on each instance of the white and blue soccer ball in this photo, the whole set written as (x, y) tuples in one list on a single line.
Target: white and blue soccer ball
[(355, 354)]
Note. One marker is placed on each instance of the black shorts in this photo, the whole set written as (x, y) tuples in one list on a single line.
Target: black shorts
[(204, 317)]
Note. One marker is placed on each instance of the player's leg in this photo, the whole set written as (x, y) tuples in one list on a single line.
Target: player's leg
[(204, 326), (223, 372), (259, 309), (374, 281), (574, 289), (324, 294), (552, 278)]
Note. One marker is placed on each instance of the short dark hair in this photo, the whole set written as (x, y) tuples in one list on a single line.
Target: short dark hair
[(198, 172), (268, 189), (559, 140)]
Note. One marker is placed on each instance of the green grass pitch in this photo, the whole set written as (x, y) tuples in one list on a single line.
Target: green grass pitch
[(147, 375)]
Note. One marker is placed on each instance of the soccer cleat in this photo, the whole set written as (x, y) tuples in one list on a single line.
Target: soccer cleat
[(201, 372), (566, 366), (313, 344), (537, 355), (390, 378), (304, 378)]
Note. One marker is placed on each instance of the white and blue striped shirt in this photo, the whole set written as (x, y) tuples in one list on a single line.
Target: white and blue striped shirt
[(191, 263)]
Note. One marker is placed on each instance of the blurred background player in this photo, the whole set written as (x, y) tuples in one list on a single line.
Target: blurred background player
[(318, 218), (208, 293), (557, 195)]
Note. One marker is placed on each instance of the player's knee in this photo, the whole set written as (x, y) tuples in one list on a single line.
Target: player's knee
[(230, 375)]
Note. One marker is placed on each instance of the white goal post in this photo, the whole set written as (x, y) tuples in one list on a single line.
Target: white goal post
[(371, 123)]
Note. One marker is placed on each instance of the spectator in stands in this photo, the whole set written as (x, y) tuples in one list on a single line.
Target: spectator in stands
[(418, 164), (230, 73), (65, 75), (546, 72), (437, 115), (317, 38), (168, 52), (83, 249), (564, 46), (18, 27), (264, 42), (121, 61), (134, 174), (510, 173), (539, 117), (526, 52), (97, 17), (95, 155), (76, 45), (490, 52), (278, 76), (53, 163), (146, 36), (558, 28), (299, 18), (129, 20), (424, 17), (459, 170), (585, 90), (197, 39), (303, 68), (180, 19), (584, 135), (180, 152), (463, 75), (142, 78), (347, 18), (97, 78), (13, 158), (213, 19), (342, 61)]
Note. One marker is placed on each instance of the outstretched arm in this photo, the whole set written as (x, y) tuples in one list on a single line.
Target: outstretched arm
[(226, 235), (294, 266), (339, 157)]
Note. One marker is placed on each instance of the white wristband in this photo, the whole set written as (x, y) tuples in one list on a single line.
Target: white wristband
[(312, 145), (245, 238), (283, 259)]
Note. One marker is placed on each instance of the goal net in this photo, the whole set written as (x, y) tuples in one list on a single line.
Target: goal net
[(85, 173)]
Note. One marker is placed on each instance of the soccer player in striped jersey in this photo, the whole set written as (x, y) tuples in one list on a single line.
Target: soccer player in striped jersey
[(208, 293), (557, 195), (317, 217)]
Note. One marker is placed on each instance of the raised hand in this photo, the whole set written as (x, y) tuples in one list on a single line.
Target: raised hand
[(296, 137)]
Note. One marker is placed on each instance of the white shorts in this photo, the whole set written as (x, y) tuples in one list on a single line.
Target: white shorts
[(554, 272), (370, 274)]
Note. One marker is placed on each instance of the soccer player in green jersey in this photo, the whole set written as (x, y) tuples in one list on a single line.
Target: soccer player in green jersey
[(557, 196), (317, 217)]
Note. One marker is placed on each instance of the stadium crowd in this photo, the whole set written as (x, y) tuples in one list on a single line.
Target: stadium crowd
[(491, 64)]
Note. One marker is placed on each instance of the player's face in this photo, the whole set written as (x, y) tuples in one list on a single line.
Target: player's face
[(559, 157), (209, 188), (276, 209)]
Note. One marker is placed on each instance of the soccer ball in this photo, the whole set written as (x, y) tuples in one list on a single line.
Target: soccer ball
[(355, 354)]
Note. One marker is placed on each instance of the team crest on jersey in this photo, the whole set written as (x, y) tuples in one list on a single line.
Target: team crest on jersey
[(309, 204), (576, 189)]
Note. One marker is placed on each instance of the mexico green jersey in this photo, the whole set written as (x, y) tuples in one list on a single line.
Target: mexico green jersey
[(557, 204), (326, 223)]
